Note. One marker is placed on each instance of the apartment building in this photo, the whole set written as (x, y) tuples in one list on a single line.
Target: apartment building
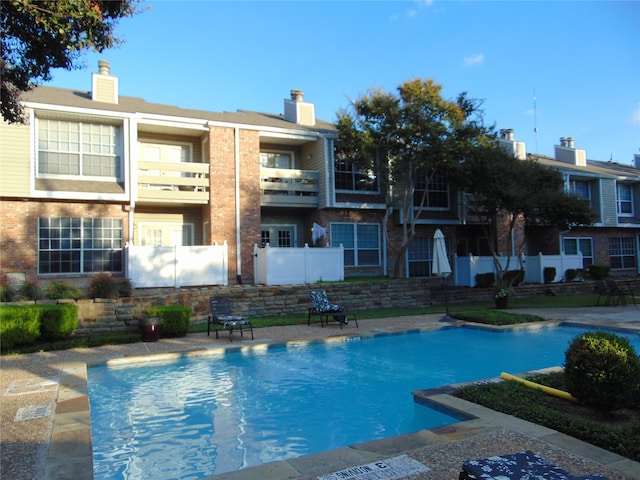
[(93, 172), (613, 191)]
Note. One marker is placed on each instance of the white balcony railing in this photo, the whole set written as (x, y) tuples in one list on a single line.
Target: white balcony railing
[(288, 188), (173, 182)]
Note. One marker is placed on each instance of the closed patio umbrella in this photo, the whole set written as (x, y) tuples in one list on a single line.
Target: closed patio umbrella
[(440, 266)]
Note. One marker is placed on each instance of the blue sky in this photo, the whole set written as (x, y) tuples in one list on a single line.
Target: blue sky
[(581, 60)]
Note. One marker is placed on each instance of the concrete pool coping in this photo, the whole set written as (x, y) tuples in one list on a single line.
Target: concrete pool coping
[(69, 452)]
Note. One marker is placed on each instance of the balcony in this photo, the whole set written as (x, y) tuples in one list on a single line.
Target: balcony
[(173, 182), (281, 187)]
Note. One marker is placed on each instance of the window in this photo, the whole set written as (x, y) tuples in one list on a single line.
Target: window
[(437, 192), (583, 245), (361, 242), (349, 177), (284, 235), (622, 252), (166, 234), (78, 149), (624, 195), (276, 160), (420, 257), (79, 245), (581, 189)]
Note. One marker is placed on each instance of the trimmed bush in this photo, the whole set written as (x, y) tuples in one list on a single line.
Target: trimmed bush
[(58, 321), (598, 272), (19, 325), (549, 274), (63, 290), (176, 320), (485, 280), (515, 276), (570, 274), (602, 370), (103, 285), (7, 292), (30, 291)]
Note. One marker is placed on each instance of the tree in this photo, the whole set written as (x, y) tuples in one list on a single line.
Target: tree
[(502, 189), (407, 138), (38, 36)]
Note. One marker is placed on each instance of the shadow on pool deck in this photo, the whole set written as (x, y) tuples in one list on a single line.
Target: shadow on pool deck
[(58, 446)]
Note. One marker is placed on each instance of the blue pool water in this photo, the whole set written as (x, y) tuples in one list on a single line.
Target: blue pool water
[(198, 416)]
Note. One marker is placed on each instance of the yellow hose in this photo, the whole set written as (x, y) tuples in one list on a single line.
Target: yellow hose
[(548, 390)]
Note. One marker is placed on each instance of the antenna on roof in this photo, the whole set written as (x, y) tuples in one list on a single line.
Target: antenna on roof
[(535, 117)]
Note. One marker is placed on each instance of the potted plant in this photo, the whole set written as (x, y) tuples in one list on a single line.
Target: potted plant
[(149, 321), (501, 297)]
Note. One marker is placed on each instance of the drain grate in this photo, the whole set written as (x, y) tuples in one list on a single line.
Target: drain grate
[(31, 412), (23, 387), (390, 469)]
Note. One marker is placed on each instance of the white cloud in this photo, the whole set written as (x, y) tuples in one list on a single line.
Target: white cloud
[(634, 119), (472, 60)]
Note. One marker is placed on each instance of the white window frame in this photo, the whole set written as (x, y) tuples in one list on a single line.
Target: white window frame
[(275, 229), (80, 147), (166, 232), (624, 201), (586, 259), (354, 172), (288, 153), (353, 247)]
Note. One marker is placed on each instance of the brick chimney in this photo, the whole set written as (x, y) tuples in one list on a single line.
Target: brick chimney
[(104, 86), (298, 111)]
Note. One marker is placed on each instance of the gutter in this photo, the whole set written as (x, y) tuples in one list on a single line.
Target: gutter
[(236, 155)]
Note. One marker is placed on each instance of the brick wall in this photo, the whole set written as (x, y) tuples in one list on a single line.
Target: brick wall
[(19, 233)]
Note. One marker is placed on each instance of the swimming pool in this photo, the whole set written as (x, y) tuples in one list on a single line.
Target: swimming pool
[(197, 416)]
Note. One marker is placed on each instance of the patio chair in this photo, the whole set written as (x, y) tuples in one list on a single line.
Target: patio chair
[(223, 319), (600, 287), (321, 307), (620, 292), (517, 466)]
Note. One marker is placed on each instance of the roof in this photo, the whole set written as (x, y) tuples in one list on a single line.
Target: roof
[(82, 99), (594, 168)]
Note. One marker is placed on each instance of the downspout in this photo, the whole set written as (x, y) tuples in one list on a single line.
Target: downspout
[(236, 155)]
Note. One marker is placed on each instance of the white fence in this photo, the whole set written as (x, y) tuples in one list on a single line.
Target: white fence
[(468, 267), (177, 266), (288, 266)]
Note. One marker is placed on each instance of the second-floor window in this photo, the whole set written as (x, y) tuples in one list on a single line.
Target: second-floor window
[(349, 177), (276, 160), (437, 192), (624, 196), (78, 149), (581, 189)]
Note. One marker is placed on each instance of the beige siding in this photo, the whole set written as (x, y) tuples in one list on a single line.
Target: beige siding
[(14, 160), (105, 89), (190, 216)]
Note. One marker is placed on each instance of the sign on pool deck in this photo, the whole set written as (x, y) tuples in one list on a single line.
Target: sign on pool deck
[(388, 469)]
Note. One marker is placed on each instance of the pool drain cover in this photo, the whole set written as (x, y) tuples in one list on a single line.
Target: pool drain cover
[(388, 469), (31, 412)]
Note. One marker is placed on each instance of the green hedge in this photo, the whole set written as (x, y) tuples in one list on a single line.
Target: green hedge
[(22, 325), (176, 320), (58, 322), (19, 325)]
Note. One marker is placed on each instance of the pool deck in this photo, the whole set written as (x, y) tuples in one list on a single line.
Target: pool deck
[(45, 422)]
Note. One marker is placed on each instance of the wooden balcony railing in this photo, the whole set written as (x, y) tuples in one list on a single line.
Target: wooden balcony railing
[(179, 182), (281, 187)]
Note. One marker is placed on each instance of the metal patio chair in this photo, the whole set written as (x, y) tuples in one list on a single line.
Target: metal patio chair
[(222, 318), (327, 311)]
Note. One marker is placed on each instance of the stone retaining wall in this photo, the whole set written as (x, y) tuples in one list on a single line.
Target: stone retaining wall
[(261, 301)]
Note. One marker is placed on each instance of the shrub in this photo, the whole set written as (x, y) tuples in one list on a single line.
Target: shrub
[(602, 370), (549, 274), (570, 274), (103, 285), (30, 291), (125, 288), (515, 276), (7, 292), (176, 320), (598, 272), (63, 290), (485, 280), (19, 325), (58, 321)]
